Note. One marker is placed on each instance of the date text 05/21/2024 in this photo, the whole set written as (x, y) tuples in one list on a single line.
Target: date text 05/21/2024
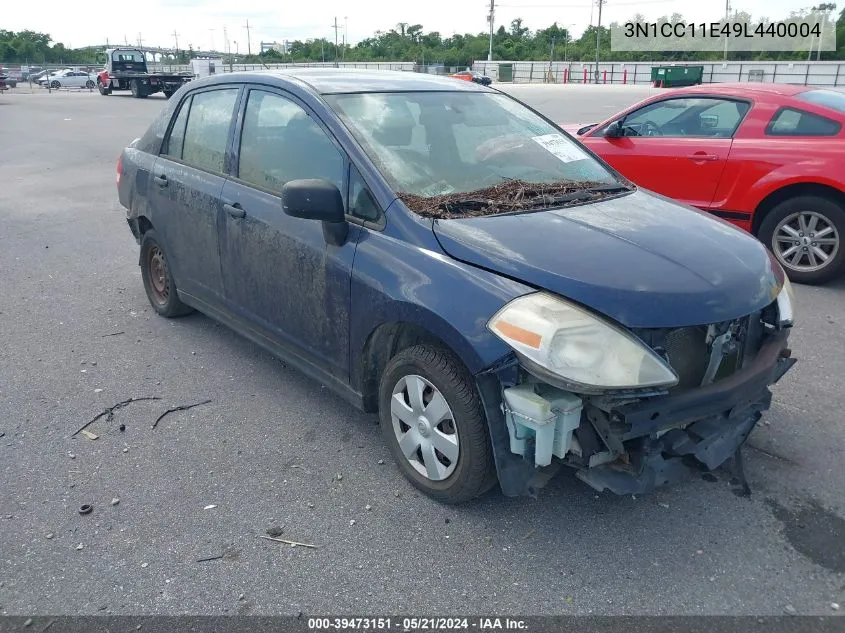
[(416, 624)]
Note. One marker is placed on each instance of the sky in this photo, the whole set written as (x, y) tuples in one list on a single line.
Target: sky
[(201, 23)]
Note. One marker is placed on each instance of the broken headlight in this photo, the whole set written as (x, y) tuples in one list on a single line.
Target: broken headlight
[(786, 304), (576, 349)]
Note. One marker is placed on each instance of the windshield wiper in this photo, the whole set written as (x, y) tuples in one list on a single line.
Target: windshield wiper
[(614, 188)]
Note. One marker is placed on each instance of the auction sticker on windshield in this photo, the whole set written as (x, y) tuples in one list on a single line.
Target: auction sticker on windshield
[(560, 146)]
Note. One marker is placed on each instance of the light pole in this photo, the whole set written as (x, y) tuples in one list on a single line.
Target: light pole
[(598, 39), (824, 8)]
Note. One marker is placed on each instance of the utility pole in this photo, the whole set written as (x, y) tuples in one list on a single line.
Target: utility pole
[(140, 40), (176, 40), (345, 35), (598, 39), (225, 41), (490, 17), (335, 27), (727, 20), (211, 32), (248, 46), (551, 55)]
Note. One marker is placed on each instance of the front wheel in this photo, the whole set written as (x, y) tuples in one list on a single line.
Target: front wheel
[(434, 424), (55, 85), (158, 279), (103, 89), (168, 93), (89, 84), (805, 234)]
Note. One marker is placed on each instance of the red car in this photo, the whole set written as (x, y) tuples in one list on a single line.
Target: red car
[(769, 158)]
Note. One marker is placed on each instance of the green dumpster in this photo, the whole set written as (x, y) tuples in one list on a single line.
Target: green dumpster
[(676, 76), (505, 72)]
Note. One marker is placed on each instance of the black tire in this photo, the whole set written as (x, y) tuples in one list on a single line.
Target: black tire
[(832, 212), (158, 279), (168, 93), (89, 84), (474, 473), (139, 91), (55, 85), (103, 90)]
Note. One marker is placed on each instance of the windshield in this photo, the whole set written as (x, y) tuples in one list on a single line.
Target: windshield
[(435, 144), (828, 98)]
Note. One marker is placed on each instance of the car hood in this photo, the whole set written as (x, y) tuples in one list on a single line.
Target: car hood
[(640, 259)]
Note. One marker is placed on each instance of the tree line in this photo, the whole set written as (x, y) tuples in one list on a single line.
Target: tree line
[(410, 42)]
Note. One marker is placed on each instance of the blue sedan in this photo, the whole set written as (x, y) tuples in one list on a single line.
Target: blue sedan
[(440, 253)]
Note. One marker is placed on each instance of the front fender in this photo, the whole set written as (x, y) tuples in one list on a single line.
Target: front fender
[(396, 281)]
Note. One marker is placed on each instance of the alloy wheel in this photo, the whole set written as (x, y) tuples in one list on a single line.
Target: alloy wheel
[(805, 241)]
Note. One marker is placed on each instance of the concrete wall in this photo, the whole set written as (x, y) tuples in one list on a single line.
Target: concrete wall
[(804, 73)]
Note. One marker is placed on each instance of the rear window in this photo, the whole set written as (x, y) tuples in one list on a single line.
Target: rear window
[(207, 129), (827, 98), (793, 122)]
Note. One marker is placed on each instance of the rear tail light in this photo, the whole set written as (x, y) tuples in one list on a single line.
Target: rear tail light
[(119, 168)]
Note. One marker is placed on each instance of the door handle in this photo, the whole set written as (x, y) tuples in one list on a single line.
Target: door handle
[(235, 210), (702, 156), (161, 181)]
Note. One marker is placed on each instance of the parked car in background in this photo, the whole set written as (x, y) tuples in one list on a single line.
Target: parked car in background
[(36, 77), (436, 251), (769, 158), (69, 78), (474, 76)]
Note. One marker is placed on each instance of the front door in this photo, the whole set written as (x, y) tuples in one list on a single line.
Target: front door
[(188, 179), (677, 147), (278, 271)]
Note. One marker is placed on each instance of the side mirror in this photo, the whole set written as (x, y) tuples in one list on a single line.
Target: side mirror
[(317, 199), (614, 130)]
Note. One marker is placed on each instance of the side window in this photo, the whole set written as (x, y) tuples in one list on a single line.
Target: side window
[(280, 143), (361, 203), (792, 122), (174, 142), (207, 129), (697, 117)]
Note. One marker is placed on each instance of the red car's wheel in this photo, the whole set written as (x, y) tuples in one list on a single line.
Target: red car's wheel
[(806, 235)]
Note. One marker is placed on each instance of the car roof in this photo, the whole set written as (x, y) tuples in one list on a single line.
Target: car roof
[(347, 80), (745, 89)]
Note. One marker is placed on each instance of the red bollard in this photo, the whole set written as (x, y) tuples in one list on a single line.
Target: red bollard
[(585, 75), (604, 77), (566, 75), (625, 76)]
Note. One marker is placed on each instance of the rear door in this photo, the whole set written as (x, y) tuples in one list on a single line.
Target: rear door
[(278, 271), (188, 178), (677, 147)]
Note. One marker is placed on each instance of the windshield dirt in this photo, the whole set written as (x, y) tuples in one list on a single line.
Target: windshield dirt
[(454, 144), (510, 196)]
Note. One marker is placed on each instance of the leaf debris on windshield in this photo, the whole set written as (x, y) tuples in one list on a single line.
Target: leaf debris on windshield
[(508, 196)]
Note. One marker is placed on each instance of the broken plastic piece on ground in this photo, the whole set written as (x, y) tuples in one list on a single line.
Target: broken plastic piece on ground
[(86, 508), (89, 434)]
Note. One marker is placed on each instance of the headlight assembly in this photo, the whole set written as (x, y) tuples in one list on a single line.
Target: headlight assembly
[(582, 352)]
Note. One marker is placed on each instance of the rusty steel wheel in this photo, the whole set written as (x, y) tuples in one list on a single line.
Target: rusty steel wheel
[(159, 282), (158, 278)]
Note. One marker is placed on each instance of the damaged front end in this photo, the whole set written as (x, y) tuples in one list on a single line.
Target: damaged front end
[(630, 441)]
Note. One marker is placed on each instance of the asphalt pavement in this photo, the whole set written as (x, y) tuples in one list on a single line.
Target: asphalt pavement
[(273, 449)]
